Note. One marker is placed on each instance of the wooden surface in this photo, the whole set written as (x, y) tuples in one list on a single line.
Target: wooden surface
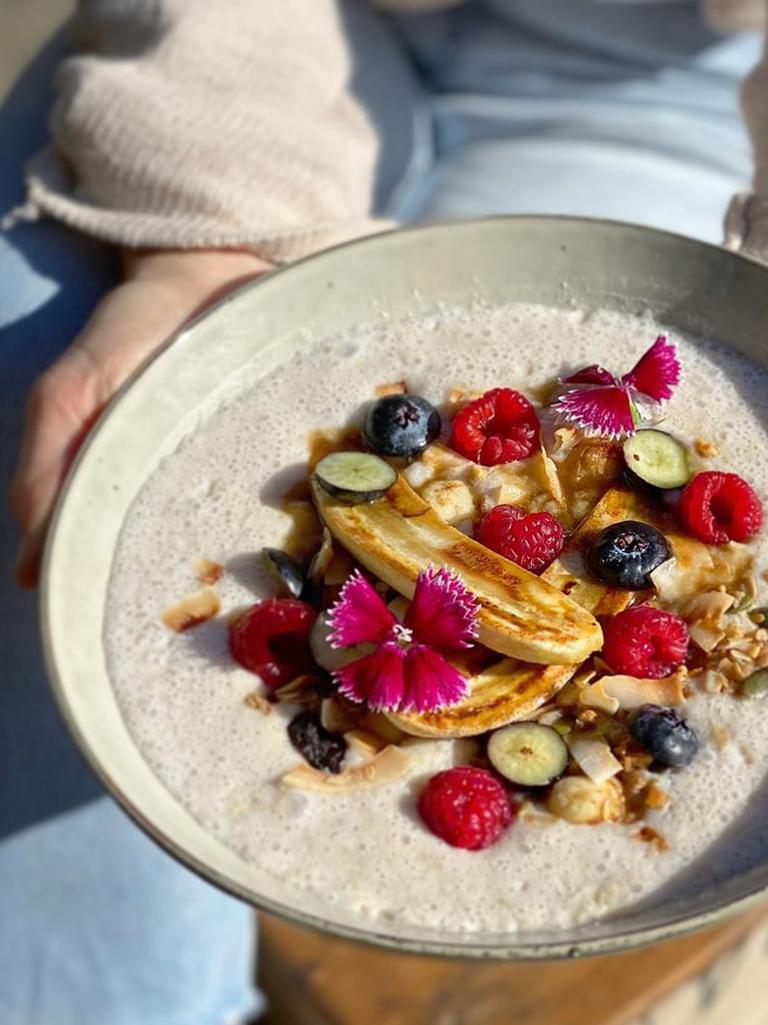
[(313, 979)]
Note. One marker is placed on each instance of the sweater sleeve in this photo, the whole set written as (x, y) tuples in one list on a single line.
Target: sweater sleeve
[(746, 223), (187, 123)]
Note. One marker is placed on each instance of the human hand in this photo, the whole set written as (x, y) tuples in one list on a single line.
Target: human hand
[(162, 290)]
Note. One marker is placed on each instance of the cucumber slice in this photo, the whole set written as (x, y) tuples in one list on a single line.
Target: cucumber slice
[(528, 753), (658, 459), (355, 476)]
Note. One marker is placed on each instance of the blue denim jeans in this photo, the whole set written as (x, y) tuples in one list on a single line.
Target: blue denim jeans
[(97, 925), (506, 114)]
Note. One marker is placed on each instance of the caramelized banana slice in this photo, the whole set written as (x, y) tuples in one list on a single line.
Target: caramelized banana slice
[(511, 690), (503, 693), (399, 535)]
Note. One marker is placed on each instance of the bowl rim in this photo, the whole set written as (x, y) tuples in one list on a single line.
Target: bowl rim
[(545, 949)]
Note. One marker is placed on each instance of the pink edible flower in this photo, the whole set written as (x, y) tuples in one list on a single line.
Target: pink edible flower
[(407, 672), (598, 402)]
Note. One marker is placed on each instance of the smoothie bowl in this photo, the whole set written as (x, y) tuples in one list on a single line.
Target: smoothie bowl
[(430, 609)]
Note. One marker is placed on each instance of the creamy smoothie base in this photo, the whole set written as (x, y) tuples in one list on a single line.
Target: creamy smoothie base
[(366, 853)]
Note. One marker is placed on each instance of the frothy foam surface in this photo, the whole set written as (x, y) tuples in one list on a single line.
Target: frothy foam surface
[(366, 853)]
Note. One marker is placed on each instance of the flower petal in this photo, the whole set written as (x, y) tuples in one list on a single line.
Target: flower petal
[(604, 411), (376, 679), (430, 681), (443, 613), (360, 615), (594, 374), (657, 372)]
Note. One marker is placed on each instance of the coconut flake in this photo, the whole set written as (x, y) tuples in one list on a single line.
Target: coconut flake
[(386, 767), (610, 693), (594, 757)]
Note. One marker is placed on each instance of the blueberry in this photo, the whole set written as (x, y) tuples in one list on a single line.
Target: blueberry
[(625, 554), (401, 425), (665, 735)]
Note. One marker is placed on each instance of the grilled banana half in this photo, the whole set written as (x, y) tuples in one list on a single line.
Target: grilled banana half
[(399, 535), (512, 690)]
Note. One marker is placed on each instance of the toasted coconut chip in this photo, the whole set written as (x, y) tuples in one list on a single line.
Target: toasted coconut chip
[(705, 635), (208, 571), (337, 715), (563, 439), (697, 567), (549, 475), (363, 742), (323, 557), (594, 757), (705, 614), (610, 693), (191, 611), (711, 606), (386, 767), (394, 388)]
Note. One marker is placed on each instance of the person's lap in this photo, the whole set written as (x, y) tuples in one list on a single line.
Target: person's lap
[(98, 925)]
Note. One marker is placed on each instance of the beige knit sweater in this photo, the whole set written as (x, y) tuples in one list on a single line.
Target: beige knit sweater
[(190, 123)]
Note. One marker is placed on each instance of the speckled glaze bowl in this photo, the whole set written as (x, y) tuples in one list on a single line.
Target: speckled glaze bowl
[(687, 285)]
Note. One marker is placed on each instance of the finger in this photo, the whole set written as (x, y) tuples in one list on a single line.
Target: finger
[(59, 405)]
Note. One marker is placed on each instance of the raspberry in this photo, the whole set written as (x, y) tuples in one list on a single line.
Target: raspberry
[(272, 640), (466, 807), (720, 507), (499, 427), (532, 540), (646, 642)]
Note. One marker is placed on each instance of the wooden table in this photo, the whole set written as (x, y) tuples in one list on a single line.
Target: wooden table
[(313, 979)]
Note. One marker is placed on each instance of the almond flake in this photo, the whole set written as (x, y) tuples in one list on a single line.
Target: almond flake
[(720, 736), (258, 702), (655, 798), (706, 449), (208, 571), (191, 611)]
